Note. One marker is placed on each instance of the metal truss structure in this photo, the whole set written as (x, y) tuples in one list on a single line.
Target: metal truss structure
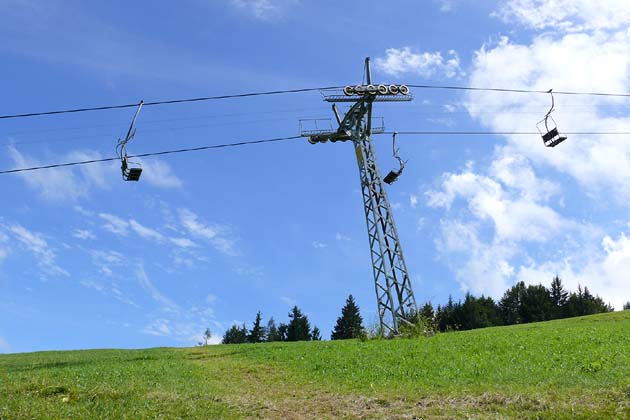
[(395, 298)]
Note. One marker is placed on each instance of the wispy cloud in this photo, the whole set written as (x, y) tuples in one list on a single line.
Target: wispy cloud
[(149, 287), (159, 174), (83, 234), (566, 15), (288, 301), (264, 10), (115, 224), (400, 61), (35, 243), (341, 237), (219, 236), (106, 260), (145, 232), (318, 245)]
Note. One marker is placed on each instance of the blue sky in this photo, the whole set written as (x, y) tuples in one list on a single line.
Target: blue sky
[(207, 239)]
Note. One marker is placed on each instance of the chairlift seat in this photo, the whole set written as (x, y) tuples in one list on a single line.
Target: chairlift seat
[(550, 135), (556, 141), (553, 138), (134, 174), (391, 177)]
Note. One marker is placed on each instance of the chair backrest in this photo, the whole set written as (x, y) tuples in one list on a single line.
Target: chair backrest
[(551, 134)]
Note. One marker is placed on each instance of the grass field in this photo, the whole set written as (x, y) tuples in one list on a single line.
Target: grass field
[(566, 369)]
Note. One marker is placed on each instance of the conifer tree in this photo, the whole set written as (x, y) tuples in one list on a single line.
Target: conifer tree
[(427, 312), (257, 333), (272, 331), (283, 332), (315, 334), (299, 329), (235, 335), (559, 296), (626, 306), (350, 323)]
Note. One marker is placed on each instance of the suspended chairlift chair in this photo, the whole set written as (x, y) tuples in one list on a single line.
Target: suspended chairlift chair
[(130, 171), (550, 135), (393, 175)]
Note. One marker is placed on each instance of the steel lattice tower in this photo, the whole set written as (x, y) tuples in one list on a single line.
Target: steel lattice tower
[(394, 294)]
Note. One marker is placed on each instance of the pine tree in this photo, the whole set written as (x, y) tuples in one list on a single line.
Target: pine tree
[(626, 306), (272, 331), (257, 333), (350, 323), (235, 335), (315, 334), (559, 297), (299, 329), (283, 332), (427, 312), (536, 304), (510, 305)]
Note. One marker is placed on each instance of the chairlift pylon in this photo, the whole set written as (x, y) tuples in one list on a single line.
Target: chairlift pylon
[(393, 175), (551, 137), (129, 173)]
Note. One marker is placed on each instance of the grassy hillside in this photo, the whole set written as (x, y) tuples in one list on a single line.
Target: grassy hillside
[(567, 369)]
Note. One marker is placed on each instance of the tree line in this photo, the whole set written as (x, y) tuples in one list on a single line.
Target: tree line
[(519, 304), (349, 325)]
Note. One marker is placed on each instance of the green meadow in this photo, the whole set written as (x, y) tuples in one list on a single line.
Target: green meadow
[(566, 369)]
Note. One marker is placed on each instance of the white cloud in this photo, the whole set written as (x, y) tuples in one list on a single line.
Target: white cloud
[(508, 228), (603, 271), (598, 62), (190, 221), (106, 260), (480, 267), (318, 245), (288, 301), (61, 184), (341, 237), (398, 62), (183, 242), (115, 224), (34, 242), (413, 200), (153, 291), (83, 234), (514, 218), (185, 331), (264, 10), (219, 236), (566, 15), (159, 174), (447, 5), (145, 232)]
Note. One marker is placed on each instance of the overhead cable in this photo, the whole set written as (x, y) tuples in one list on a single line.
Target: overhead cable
[(276, 92), (500, 133), (166, 152), (167, 102), (504, 90)]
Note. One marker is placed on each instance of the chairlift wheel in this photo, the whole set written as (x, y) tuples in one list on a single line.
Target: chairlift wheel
[(382, 89), (403, 89), (348, 90), (393, 89), (359, 89), (371, 89)]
